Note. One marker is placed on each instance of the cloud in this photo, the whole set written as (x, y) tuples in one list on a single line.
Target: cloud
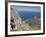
[(27, 8)]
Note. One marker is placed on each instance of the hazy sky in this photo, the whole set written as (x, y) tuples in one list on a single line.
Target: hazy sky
[(27, 8)]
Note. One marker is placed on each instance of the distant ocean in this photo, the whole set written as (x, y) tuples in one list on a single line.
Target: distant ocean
[(26, 14)]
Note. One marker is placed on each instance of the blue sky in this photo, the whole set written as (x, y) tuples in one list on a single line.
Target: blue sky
[(27, 8)]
